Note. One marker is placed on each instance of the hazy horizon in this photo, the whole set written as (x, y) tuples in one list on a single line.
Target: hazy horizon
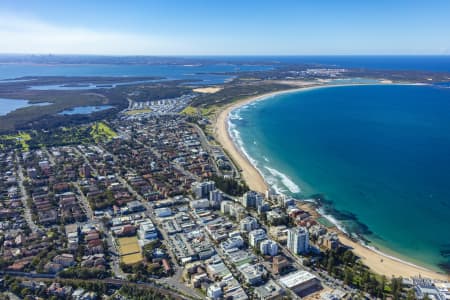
[(203, 28)]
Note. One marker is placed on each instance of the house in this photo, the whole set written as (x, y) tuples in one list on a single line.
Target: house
[(65, 260), (52, 267)]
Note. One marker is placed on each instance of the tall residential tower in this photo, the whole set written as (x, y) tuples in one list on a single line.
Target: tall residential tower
[(298, 240)]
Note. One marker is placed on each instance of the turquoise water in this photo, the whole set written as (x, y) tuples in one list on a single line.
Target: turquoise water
[(380, 155), (84, 110)]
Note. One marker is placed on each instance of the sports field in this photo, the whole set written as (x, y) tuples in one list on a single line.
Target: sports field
[(129, 249)]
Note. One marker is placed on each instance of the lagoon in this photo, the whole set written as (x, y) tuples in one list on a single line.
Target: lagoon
[(84, 110), (9, 105)]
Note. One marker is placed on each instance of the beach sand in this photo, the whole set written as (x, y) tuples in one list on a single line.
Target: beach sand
[(250, 174), (378, 262), (208, 90), (386, 265)]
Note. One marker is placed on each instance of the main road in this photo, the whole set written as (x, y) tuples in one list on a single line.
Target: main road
[(23, 197)]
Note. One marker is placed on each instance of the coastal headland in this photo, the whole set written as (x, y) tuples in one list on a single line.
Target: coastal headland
[(377, 261)]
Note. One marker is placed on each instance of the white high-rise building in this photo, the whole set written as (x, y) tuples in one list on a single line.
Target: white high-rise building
[(215, 197), (252, 199), (248, 224), (226, 206), (298, 240), (268, 247), (202, 189), (256, 236)]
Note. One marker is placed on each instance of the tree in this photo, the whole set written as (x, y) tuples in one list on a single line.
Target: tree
[(396, 287), (24, 292), (381, 286), (230, 186), (348, 276), (348, 257), (411, 295), (330, 264)]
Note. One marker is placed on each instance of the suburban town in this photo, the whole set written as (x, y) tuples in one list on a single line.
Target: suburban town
[(158, 203), (224, 150)]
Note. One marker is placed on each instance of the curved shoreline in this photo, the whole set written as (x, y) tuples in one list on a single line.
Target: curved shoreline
[(376, 260)]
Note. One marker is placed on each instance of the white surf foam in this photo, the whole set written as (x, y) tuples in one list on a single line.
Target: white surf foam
[(275, 179), (237, 140), (332, 220), (338, 225), (275, 176), (292, 187)]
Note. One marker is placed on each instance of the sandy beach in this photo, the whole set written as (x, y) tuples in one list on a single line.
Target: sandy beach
[(252, 177), (207, 90), (379, 262), (386, 265)]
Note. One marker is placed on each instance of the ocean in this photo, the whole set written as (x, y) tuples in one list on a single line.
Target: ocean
[(379, 155)]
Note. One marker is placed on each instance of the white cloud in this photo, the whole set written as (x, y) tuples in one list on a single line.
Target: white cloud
[(30, 35)]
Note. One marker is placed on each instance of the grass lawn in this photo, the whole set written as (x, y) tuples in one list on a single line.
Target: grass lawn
[(22, 138), (101, 131), (130, 251), (189, 111), (138, 111)]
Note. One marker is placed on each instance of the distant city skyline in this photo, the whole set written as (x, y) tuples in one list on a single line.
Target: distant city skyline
[(200, 27)]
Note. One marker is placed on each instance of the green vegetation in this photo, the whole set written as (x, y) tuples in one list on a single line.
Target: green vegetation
[(99, 287), (138, 111), (208, 111), (150, 247), (194, 111), (84, 273), (101, 201), (20, 138), (151, 267), (166, 90), (189, 111), (61, 136), (134, 292), (33, 117), (230, 186), (101, 132), (233, 92), (46, 116), (142, 271), (346, 266)]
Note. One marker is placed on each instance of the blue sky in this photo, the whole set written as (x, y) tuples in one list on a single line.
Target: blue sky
[(201, 27)]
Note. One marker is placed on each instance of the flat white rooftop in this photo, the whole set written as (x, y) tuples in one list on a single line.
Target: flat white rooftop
[(296, 278)]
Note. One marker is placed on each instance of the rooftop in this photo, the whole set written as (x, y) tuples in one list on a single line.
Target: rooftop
[(296, 278)]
